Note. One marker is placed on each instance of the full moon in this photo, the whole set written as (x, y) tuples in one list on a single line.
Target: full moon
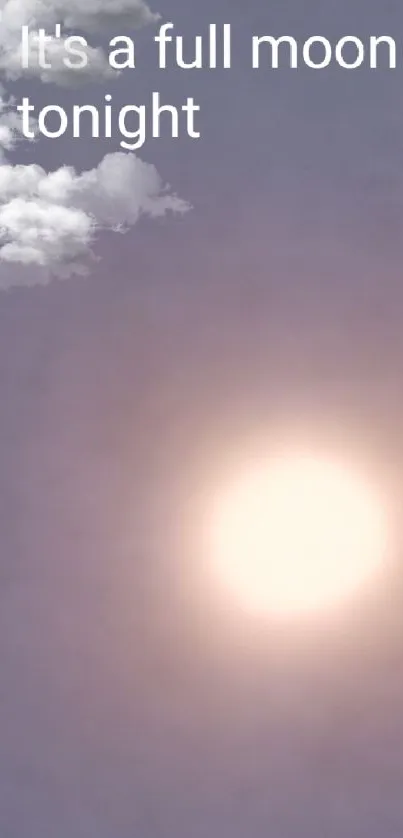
[(296, 534)]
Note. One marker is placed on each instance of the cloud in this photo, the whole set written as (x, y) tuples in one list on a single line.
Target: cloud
[(96, 69), (50, 220), (89, 16), (10, 125)]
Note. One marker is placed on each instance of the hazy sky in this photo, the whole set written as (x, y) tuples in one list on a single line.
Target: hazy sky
[(130, 708)]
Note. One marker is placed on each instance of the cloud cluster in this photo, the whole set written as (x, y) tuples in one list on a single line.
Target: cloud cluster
[(50, 220), (89, 16)]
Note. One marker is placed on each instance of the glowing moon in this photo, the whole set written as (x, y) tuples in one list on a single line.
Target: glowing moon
[(296, 534)]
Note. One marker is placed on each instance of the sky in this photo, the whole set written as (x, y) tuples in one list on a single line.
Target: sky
[(269, 293)]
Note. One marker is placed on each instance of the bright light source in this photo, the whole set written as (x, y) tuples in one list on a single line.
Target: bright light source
[(296, 533)]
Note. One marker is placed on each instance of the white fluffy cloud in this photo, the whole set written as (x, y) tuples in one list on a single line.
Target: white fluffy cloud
[(50, 220), (89, 16)]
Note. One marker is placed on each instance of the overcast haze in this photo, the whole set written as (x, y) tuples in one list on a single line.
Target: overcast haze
[(269, 290)]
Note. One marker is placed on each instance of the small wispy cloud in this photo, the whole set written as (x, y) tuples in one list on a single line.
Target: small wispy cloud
[(10, 124)]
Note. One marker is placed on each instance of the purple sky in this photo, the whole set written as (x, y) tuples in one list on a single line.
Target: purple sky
[(128, 709)]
